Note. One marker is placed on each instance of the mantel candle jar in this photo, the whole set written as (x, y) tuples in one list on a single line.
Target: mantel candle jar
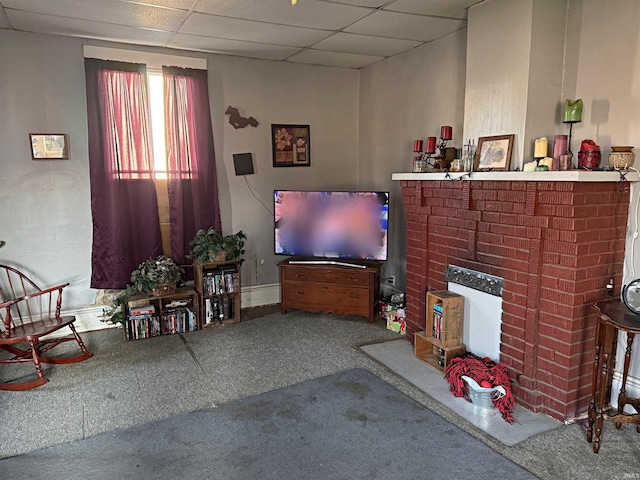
[(589, 155)]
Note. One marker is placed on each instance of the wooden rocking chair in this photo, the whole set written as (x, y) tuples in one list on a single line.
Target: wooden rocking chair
[(28, 313)]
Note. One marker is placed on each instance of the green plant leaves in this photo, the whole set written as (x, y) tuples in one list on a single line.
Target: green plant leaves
[(207, 244)]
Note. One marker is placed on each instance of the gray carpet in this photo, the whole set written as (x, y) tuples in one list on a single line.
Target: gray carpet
[(349, 425)]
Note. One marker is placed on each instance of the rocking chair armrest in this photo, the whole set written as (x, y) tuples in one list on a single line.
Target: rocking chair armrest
[(32, 295)]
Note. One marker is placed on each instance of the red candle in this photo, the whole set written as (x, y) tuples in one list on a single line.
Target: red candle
[(417, 145), (446, 132), (431, 145)]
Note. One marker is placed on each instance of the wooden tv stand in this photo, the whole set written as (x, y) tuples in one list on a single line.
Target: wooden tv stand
[(317, 287)]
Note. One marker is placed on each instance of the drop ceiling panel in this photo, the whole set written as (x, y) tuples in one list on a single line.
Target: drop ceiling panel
[(35, 22), (403, 25), (4, 23), (365, 44), (232, 47), (334, 59), (307, 13), (234, 29), (108, 11), (270, 29), (364, 3), (442, 8), (181, 4)]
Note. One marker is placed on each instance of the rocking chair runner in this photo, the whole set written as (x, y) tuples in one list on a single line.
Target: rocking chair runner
[(28, 313)]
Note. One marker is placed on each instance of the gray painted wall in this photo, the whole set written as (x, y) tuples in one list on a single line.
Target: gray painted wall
[(402, 99), (45, 205), (45, 208)]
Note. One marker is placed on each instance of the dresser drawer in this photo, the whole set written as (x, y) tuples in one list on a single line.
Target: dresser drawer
[(338, 276), (327, 298)]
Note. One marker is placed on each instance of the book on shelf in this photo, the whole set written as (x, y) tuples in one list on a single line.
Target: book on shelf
[(142, 326), (142, 310), (179, 320), (436, 330)]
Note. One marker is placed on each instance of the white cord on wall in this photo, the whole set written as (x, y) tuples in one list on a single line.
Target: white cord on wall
[(634, 236)]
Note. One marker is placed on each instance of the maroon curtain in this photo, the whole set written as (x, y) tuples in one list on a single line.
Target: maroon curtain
[(126, 228), (192, 184)]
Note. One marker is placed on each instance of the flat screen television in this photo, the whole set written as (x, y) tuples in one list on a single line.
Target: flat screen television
[(336, 225)]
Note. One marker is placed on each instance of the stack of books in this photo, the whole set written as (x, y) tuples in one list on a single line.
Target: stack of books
[(142, 323)]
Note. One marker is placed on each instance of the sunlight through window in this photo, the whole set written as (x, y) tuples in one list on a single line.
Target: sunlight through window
[(156, 103)]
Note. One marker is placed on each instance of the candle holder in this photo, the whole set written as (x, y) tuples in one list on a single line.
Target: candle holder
[(572, 113), (571, 122), (440, 159), (423, 161)]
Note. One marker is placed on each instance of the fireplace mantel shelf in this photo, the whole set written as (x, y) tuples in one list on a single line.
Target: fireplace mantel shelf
[(566, 176)]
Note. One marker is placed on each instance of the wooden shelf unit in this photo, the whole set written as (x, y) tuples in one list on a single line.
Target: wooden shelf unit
[(431, 354), (442, 339), (169, 319), (201, 272), (331, 288)]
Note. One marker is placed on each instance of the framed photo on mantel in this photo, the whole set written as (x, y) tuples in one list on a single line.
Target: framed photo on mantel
[(49, 146), (494, 153), (291, 145)]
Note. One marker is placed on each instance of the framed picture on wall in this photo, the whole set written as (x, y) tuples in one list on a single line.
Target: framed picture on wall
[(290, 145), (49, 146), (494, 153)]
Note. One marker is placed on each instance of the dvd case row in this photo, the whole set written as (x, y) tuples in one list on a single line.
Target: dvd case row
[(173, 321), (219, 309), (436, 330), (143, 326), (221, 281)]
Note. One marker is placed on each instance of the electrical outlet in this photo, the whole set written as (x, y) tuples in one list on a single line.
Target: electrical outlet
[(392, 280)]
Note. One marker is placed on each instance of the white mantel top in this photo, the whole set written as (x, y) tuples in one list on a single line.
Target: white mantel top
[(564, 176)]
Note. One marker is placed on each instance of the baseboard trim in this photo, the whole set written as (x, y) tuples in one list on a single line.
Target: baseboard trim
[(259, 295), (88, 318)]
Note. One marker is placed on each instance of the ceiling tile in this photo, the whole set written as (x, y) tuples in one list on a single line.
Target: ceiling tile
[(232, 47), (180, 4), (402, 25), (35, 22), (334, 59), (307, 13), (4, 23), (441, 8), (234, 29), (363, 3), (108, 11), (364, 44)]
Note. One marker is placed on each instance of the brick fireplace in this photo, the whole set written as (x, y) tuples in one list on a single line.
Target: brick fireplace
[(556, 244)]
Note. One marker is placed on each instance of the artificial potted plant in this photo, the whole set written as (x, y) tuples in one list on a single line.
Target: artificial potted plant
[(208, 246), (115, 312), (157, 276)]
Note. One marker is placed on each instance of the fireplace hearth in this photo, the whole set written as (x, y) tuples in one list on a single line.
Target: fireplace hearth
[(554, 244)]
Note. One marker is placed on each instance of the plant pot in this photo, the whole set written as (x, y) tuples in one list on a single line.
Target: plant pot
[(621, 160), (168, 288), (220, 257)]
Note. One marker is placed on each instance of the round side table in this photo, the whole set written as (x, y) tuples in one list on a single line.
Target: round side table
[(612, 317)]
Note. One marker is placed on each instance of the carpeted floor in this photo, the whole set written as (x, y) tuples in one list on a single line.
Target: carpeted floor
[(128, 384), (350, 425)]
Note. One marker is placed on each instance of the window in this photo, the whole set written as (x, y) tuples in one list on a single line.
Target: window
[(156, 105), (152, 162)]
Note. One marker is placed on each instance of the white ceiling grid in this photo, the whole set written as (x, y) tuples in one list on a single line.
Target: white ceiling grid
[(339, 33)]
